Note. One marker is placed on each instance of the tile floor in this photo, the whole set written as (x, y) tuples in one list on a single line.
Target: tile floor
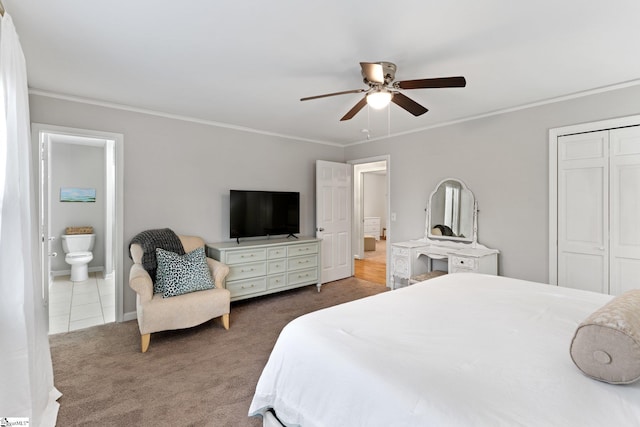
[(78, 305)]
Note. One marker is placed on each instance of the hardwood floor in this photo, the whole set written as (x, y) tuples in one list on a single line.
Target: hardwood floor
[(373, 267)]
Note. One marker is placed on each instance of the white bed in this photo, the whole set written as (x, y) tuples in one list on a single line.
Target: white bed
[(458, 350)]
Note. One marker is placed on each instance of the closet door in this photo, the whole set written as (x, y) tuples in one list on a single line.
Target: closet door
[(625, 209), (583, 213)]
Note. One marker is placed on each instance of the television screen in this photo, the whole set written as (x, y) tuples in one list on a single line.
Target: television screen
[(263, 213)]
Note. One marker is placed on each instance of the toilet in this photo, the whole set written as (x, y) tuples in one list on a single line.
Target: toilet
[(78, 249)]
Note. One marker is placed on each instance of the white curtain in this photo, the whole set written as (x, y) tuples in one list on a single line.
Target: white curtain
[(26, 373)]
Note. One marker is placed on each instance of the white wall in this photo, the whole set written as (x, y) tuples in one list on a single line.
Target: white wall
[(177, 174), (504, 161), (80, 166), (375, 196)]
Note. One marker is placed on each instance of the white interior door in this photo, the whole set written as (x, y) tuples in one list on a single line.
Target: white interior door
[(583, 211), (333, 218), (625, 210)]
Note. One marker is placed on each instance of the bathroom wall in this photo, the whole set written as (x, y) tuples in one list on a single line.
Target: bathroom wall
[(82, 166)]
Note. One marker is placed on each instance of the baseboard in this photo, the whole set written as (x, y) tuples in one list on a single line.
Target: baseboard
[(132, 315), (68, 272)]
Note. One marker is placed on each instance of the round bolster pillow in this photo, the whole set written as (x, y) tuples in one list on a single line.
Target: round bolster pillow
[(606, 345)]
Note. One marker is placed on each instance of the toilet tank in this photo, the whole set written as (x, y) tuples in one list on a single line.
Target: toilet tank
[(78, 242)]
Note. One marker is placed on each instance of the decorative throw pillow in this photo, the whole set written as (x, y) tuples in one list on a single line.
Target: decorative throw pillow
[(181, 274), (606, 345)]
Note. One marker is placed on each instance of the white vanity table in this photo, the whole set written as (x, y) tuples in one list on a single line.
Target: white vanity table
[(451, 238)]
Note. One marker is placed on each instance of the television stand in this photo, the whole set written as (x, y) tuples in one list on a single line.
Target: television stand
[(292, 235), (261, 267)]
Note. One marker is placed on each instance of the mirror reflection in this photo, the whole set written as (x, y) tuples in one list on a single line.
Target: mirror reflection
[(451, 211)]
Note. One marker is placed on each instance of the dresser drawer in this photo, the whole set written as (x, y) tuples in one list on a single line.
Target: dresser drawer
[(244, 271), (301, 276), (301, 262), (249, 255), (277, 281), (311, 248), (279, 252), (276, 266), (245, 287)]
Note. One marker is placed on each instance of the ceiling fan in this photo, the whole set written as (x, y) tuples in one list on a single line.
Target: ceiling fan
[(379, 76)]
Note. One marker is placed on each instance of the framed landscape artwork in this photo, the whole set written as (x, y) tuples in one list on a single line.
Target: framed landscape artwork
[(73, 194)]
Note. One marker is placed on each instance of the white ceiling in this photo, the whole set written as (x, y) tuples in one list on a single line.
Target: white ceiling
[(246, 64)]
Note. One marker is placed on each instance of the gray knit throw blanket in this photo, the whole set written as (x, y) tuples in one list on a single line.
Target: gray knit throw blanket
[(149, 240)]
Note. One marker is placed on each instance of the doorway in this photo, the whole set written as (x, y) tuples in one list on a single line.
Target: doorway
[(371, 219), (75, 158)]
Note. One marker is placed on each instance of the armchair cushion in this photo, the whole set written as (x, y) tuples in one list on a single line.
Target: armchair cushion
[(181, 274)]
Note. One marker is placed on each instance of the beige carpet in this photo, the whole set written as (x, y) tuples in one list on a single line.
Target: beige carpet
[(203, 376)]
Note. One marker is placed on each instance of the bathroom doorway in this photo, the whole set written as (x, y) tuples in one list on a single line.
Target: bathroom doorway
[(371, 219), (92, 161)]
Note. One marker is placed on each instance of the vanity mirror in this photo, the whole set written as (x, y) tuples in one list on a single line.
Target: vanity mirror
[(451, 212)]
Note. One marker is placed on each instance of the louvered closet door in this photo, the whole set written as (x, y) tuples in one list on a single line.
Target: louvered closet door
[(625, 209), (583, 214)]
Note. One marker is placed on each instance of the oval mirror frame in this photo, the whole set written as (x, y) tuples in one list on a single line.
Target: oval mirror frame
[(451, 212)]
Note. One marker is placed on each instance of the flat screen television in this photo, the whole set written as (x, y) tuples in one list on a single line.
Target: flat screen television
[(263, 213)]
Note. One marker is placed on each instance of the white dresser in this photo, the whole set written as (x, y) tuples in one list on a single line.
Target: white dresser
[(372, 226), (261, 267)]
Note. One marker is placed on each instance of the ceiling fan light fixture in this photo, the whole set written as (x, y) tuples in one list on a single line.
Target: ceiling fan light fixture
[(379, 99)]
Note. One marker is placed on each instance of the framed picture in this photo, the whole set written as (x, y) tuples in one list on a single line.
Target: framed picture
[(73, 194)]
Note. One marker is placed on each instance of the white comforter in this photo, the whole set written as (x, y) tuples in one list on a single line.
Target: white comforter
[(459, 350)]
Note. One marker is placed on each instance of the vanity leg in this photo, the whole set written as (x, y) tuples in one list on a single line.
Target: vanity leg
[(319, 285)]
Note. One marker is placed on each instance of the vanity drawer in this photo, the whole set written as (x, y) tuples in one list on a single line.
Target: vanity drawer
[(276, 266), (399, 252), (244, 271), (279, 252), (245, 287), (301, 262), (249, 255), (311, 248), (301, 276), (464, 263)]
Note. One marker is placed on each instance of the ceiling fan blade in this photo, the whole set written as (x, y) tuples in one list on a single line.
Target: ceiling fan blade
[(408, 104), (373, 72), (438, 82), (333, 94), (359, 106)]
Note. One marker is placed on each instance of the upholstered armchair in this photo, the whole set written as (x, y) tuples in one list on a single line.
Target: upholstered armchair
[(157, 313)]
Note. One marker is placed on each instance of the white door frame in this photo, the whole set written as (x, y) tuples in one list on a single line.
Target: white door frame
[(553, 177), (357, 228), (115, 152)]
